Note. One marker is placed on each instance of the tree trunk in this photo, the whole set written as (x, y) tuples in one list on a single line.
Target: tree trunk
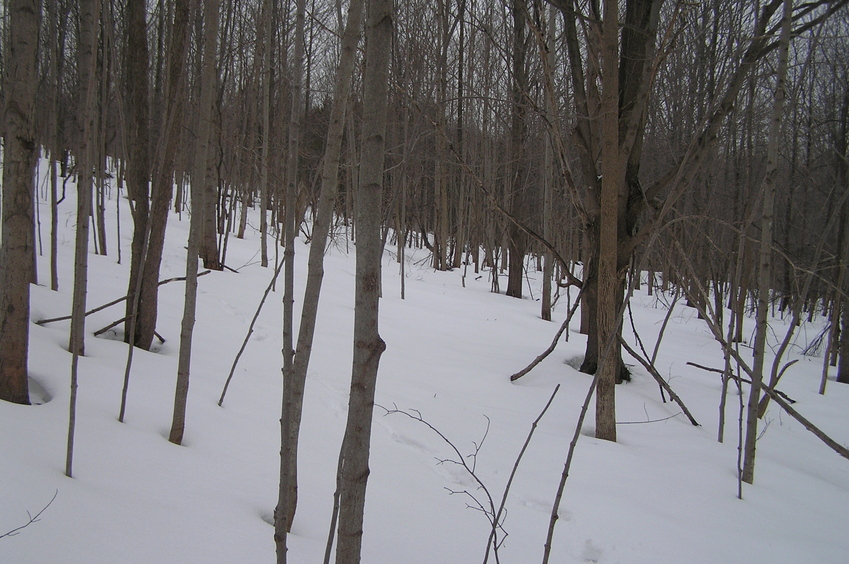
[(137, 67), (368, 346), (517, 239), (287, 492), (611, 182), (205, 196), (19, 160), (163, 183), (199, 182), (86, 61), (295, 379), (548, 196), (765, 257)]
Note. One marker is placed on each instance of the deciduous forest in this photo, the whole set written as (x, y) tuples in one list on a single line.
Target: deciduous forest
[(579, 157)]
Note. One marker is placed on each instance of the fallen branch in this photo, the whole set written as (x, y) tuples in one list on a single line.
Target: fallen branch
[(113, 302), (743, 380), (663, 383), (553, 344), (837, 447), (118, 322)]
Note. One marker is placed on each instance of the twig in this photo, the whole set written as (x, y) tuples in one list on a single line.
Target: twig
[(566, 467), (32, 519), (663, 383), (501, 506), (460, 461), (648, 420), (743, 380), (251, 329)]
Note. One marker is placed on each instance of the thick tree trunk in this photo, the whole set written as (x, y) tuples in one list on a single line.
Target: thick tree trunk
[(205, 196), (368, 346), (612, 179), (20, 81), (137, 65), (163, 182)]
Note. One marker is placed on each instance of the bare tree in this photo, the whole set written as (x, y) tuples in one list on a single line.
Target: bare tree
[(86, 63), (368, 346), (765, 255), (199, 181), (16, 253), (295, 380)]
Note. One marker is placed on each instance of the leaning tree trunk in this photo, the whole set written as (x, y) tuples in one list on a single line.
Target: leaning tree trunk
[(368, 346), (19, 155)]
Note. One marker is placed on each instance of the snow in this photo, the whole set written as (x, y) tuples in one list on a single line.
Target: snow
[(665, 493)]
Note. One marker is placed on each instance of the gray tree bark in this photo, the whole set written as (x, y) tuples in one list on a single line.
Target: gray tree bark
[(612, 179), (86, 61), (199, 180), (368, 346), (295, 379), (163, 174), (765, 255), (285, 510)]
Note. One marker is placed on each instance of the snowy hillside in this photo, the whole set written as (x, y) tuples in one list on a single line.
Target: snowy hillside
[(665, 493)]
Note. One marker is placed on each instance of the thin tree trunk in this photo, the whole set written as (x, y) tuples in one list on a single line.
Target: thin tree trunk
[(266, 134), (86, 61), (285, 509), (199, 181), (368, 346), (765, 258), (296, 379), (547, 231)]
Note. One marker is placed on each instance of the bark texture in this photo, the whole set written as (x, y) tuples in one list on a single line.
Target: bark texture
[(368, 346), (16, 253)]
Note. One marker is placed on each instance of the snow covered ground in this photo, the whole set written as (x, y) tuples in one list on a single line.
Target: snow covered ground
[(665, 493)]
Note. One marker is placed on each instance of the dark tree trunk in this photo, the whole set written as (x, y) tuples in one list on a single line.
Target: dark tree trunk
[(163, 184), (137, 67), (16, 266)]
